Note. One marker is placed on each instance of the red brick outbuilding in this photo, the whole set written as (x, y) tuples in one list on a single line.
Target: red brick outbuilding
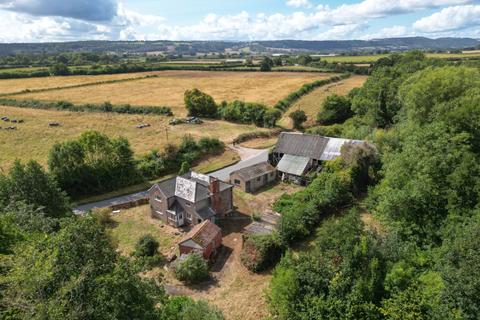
[(204, 238)]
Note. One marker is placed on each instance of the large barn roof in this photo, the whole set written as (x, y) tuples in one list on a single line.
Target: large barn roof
[(293, 164), (311, 146), (304, 145)]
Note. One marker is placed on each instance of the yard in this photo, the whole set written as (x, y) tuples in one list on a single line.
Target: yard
[(239, 293), (34, 138), (168, 88), (312, 102)]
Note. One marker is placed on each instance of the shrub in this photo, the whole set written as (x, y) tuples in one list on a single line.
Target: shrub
[(200, 104), (246, 112), (335, 109), (266, 64), (260, 252), (103, 216), (146, 246), (298, 117), (193, 269)]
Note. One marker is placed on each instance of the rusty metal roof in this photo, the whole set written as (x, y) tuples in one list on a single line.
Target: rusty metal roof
[(203, 234), (254, 171)]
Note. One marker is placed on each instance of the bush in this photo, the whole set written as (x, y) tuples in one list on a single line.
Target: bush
[(200, 104), (146, 246), (298, 117), (193, 269), (260, 252), (266, 64), (103, 216), (185, 308), (245, 112), (335, 109)]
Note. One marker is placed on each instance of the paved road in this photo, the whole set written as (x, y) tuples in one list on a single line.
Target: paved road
[(248, 157)]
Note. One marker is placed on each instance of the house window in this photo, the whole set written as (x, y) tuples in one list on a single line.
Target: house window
[(272, 174), (237, 182), (188, 204), (199, 220), (189, 216), (157, 198), (259, 179), (180, 216)]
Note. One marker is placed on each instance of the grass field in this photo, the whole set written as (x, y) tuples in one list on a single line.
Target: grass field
[(168, 88), (312, 103), (8, 86), (372, 58), (34, 138)]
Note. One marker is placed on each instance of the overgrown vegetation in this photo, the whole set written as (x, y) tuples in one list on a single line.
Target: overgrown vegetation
[(77, 274), (192, 269), (260, 252), (422, 116), (174, 158)]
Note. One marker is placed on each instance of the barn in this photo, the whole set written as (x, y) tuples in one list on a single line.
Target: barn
[(298, 154), (204, 238), (253, 178)]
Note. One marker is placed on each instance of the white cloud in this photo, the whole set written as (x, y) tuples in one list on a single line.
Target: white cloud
[(371, 9), (71, 20), (299, 3), (448, 19)]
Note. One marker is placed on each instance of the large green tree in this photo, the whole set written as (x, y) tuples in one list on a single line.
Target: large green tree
[(31, 184)]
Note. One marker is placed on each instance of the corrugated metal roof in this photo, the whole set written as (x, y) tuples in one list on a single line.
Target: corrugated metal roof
[(293, 164), (203, 233), (254, 171), (334, 146), (298, 144)]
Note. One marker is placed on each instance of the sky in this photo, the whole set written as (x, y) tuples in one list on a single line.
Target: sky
[(240, 20)]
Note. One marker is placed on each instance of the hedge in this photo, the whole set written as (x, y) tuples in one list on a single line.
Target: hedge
[(89, 107), (288, 101)]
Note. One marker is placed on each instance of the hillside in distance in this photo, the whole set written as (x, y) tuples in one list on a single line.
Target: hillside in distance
[(275, 46)]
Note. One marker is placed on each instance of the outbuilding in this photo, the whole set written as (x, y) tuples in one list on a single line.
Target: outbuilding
[(253, 178), (204, 238)]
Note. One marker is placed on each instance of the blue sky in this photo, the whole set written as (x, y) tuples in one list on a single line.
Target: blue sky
[(67, 20)]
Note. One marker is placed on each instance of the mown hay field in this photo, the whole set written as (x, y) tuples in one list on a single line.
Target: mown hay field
[(34, 138), (9, 86), (312, 102), (168, 88)]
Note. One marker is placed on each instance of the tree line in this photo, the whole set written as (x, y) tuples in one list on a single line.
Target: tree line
[(418, 259)]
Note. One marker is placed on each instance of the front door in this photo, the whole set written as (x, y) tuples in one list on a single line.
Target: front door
[(247, 186)]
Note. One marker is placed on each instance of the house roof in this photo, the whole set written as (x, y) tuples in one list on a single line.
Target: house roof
[(203, 234), (254, 171), (196, 181), (311, 146), (293, 164), (298, 144)]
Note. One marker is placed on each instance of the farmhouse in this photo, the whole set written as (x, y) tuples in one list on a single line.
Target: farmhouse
[(205, 238), (190, 199), (297, 154), (252, 178)]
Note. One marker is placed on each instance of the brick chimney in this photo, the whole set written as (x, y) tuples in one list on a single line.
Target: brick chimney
[(215, 199)]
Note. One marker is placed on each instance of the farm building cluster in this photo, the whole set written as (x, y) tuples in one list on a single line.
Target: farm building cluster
[(199, 201)]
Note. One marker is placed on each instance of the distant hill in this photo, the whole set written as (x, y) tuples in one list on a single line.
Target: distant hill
[(277, 46)]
